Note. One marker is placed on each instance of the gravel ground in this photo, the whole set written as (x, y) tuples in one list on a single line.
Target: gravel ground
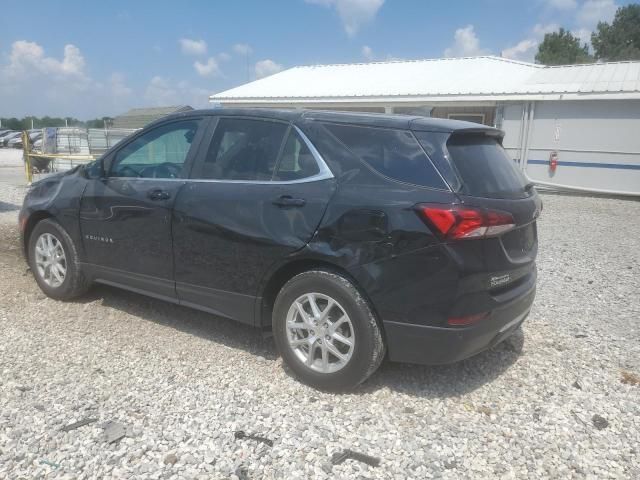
[(556, 401)]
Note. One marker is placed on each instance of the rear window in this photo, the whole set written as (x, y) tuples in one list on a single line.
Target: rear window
[(484, 167), (393, 153)]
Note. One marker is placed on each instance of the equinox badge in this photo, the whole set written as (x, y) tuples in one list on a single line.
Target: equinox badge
[(99, 239)]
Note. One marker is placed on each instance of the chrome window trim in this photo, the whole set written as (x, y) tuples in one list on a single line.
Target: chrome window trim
[(325, 171), (314, 178)]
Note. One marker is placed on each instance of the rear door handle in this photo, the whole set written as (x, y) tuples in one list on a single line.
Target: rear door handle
[(289, 201), (158, 194)]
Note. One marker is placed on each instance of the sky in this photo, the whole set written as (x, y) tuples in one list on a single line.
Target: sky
[(88, 59)]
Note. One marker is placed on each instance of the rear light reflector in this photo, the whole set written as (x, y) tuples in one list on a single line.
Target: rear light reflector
[(467, 319), (455, 222)]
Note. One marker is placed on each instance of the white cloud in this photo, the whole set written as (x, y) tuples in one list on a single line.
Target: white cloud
[(584, 34), (118, 86), (208, 69), (540, 30), (162, 91), (526, 49), (352, 13), (562, 4), (367, 52), (466, 44), (594, 11), (193, 47), (242, 49), (267, 67), (29, 57), (32, 83)]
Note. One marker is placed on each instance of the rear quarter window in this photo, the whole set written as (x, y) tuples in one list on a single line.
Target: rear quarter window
[(393, 153)]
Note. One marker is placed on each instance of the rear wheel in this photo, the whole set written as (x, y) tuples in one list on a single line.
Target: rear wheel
[(53, 259), (326, 331)]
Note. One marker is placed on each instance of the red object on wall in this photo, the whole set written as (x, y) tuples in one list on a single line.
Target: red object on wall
[(553, 161)]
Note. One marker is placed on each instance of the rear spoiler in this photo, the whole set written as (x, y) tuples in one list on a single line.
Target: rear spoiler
[(489, 132), (455, 127)]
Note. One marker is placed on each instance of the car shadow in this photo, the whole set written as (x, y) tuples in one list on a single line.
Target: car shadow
[(184, 319), (443, 381), (440, 381)]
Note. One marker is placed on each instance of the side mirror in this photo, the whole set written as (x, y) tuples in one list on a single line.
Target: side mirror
[(106, 163), (95, 170)]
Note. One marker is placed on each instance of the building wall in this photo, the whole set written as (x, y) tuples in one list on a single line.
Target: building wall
[(597, 142), (445, 111)]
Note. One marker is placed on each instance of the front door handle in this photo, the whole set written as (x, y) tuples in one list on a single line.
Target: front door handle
[(158, 194), (289, 201)]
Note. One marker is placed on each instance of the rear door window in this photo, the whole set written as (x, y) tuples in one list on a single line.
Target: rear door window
[(242, 149), (393, 153), (484, 168)]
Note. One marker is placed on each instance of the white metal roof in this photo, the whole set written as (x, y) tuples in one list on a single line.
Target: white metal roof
[(470, 78)]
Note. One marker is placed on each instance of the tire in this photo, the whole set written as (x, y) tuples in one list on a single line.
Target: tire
[(73, 282), (332, 364)]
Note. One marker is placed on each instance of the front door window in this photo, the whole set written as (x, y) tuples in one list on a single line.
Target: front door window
[(159, 153)]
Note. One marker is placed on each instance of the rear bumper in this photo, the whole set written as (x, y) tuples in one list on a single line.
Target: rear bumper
[(428, 345)]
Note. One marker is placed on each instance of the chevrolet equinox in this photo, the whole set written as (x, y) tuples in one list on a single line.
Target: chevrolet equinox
[(349, 236)]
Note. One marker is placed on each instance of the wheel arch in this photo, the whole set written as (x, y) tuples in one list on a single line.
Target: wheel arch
[(30, 224), (286, 272)]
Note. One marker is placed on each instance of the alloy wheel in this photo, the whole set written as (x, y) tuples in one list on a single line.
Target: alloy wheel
[(50, 260), (320, 332)]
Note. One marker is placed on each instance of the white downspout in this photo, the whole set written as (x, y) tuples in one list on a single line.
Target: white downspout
[(521, 136), (528, 134)]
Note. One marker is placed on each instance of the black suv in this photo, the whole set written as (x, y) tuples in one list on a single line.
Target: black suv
[(347, 235)]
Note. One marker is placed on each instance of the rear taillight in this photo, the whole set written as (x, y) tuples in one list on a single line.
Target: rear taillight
[(455, 222)]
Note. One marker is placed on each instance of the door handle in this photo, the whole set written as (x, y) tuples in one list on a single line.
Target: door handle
[(158, 194), (289, 201)]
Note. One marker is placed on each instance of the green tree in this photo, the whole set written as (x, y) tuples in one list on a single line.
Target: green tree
[(100, 122), (46, 121), (12, 123), (562, 48), (621, 39)]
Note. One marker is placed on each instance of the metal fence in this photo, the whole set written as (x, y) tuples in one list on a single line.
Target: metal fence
[(63, 148), (81, 141)]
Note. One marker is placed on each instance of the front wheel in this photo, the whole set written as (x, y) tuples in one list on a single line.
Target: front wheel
[(53, 259), (326, 331)]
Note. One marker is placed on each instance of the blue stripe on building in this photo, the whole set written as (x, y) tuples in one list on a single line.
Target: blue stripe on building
[(619, 166)]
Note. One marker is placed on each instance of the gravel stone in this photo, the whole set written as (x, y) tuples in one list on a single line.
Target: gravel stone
[(599, 422), (182, 382)]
